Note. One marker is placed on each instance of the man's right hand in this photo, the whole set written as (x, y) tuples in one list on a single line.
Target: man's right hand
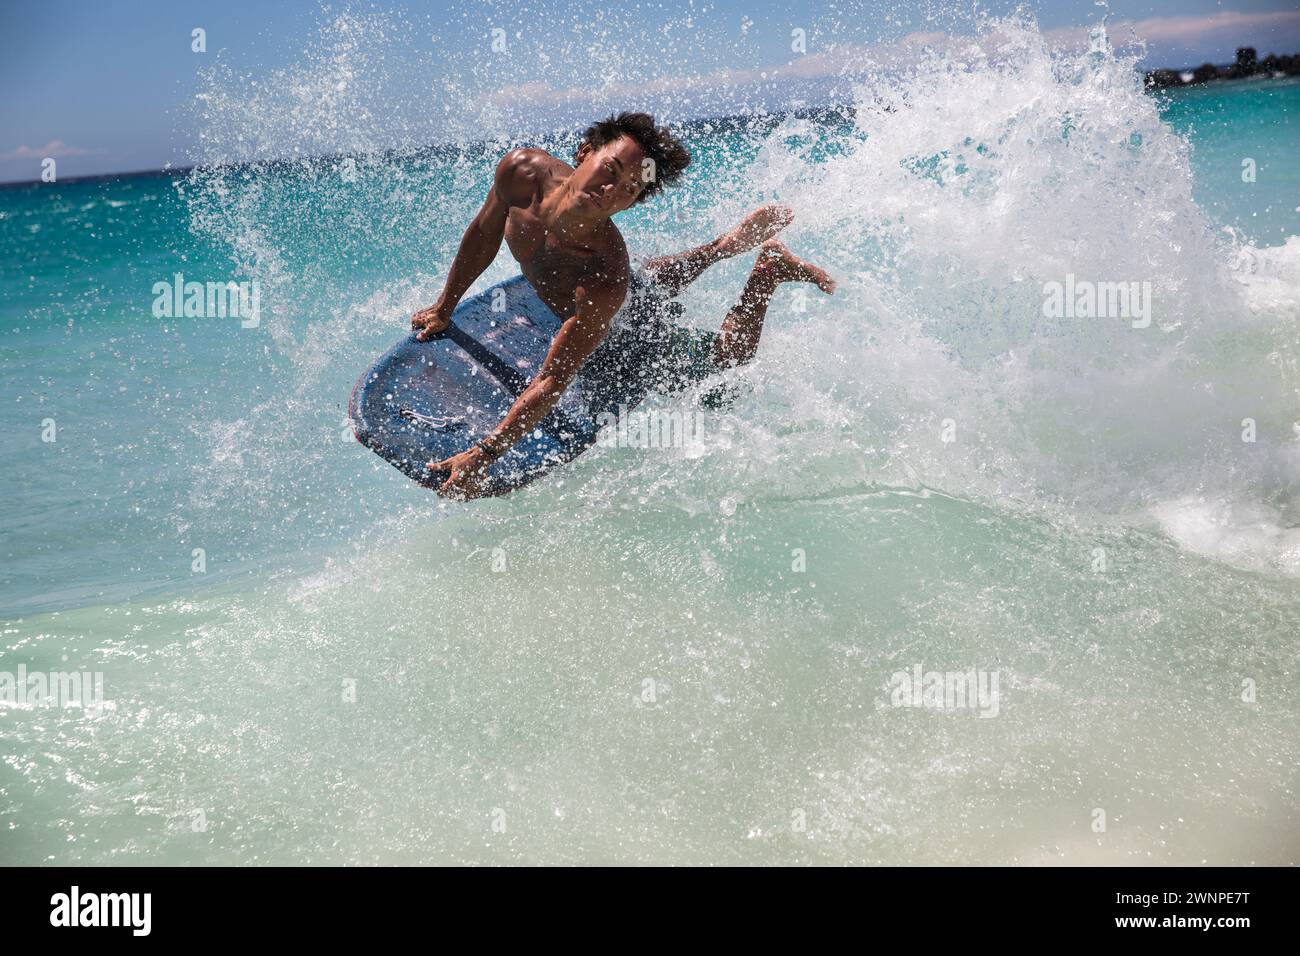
[(430, 322)]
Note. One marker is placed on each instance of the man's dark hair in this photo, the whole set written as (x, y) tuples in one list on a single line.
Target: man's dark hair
[(669, 155)]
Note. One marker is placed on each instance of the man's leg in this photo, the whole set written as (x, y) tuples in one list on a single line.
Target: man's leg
[(737, 341), (674, 273)]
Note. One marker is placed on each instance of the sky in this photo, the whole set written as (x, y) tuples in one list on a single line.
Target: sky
[(107, 87)]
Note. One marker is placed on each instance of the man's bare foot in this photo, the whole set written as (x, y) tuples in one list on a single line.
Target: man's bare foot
[(760, 225), (785, 266)]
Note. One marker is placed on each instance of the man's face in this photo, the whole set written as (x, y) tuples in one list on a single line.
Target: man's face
[(608, 178)]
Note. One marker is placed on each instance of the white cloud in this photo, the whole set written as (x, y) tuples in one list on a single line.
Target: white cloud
[(54, 149), (1226, 26), (1186, 31)]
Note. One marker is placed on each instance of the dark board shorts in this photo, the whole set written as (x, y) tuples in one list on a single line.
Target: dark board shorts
[(647, 351)]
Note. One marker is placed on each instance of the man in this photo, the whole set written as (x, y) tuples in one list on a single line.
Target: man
[(556, 219)]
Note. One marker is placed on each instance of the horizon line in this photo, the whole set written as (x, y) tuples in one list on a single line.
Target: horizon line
[(169, 170)]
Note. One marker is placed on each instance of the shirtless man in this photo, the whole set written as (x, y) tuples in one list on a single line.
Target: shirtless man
[(557, 221)]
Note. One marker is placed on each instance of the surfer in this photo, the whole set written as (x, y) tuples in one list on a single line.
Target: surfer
[(556, 220)]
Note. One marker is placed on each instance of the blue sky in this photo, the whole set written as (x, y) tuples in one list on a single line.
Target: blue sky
[(109, 87)]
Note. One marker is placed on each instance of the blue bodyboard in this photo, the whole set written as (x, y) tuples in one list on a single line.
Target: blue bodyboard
[(427, 401)]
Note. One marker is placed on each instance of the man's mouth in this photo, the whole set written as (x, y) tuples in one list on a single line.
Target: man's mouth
[(595, 200)]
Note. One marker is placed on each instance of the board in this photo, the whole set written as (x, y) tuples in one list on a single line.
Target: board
[(426, 401)]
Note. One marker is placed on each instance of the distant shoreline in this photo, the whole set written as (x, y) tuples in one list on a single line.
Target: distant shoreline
[(1244, 67)]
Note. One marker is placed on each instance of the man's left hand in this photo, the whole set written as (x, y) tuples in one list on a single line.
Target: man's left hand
[(468, 475)]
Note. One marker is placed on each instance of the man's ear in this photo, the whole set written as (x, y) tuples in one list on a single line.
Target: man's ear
[(583, 152)]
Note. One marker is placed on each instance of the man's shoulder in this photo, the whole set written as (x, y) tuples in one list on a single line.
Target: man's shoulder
[(529, 161), (522, 170)]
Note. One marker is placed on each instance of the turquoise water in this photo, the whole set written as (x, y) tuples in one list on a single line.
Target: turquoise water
[(676, 655)]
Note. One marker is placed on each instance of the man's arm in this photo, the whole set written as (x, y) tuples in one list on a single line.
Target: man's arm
[(596, 302), (512, 186)]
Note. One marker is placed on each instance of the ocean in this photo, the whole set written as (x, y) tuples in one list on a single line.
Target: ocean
[(707, 654)]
